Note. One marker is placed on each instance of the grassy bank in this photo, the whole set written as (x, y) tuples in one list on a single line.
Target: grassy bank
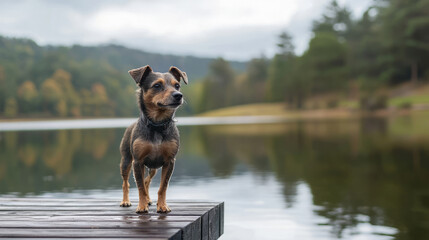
[(402, 99), (279, 109)]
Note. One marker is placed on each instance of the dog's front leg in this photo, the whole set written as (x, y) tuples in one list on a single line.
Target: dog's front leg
[(167, 170), (143, 193)]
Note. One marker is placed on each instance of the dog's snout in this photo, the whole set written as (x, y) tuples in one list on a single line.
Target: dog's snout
[(177, 96)]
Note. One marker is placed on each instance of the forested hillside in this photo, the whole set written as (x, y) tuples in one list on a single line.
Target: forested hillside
[(56, 81), (348, 57)]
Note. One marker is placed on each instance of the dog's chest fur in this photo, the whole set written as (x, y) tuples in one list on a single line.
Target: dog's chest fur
[(154, 147), (155, 157)]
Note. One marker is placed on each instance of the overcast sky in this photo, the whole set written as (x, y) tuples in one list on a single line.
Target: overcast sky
[(233, 29)]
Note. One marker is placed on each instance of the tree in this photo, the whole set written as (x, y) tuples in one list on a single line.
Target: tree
[(70, 97), (336, 20), (59, 96), (221, 72), (255, 78), (51, 94), (11, 108), (2, 89), (280, 69), (61, 108), (27, 97), (257, 70), (405, 25), (100, 100), (366, 53), (296, 86), (325, 63), (218, 89), (285, 45)]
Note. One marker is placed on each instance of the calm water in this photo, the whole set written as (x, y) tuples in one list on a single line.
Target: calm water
[(355, 179)]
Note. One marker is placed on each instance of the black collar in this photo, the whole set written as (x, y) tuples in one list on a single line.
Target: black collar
[(153, 124), (144, 116)]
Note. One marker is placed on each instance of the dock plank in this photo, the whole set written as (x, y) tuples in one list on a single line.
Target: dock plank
[(92, 225), (131, 212), (214, 222), (128, 218), (90, 233), (24, 218), (95, 208)]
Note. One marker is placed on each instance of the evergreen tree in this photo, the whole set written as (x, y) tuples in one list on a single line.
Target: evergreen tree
[(325, 63), (405, 28), (280, 69), (218, 89), (336, 20)]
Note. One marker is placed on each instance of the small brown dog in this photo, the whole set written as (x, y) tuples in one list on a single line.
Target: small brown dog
[(152, 141)]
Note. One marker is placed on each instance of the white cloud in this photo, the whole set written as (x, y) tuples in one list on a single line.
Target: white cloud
[(236, 29), (187, 20)]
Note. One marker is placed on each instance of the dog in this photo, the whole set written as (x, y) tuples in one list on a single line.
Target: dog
[(153, 140)]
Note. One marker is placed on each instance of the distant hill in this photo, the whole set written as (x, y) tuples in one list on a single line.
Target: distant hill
[(126, 58), (79, 80), (119, 57)]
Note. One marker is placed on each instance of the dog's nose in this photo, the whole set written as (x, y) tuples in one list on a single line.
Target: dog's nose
[(177, 96)]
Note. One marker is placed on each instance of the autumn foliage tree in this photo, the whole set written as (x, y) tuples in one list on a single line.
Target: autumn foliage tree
[(28, 97)]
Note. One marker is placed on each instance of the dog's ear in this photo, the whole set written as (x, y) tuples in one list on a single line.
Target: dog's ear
[(179, 75), (139, 74)]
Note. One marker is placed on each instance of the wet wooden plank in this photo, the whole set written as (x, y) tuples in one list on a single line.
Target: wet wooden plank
[(90, 202), (100, 218), (205, 226), (90, 233), (93, 225), (77, 200), (214, 223), (221, 218), (193, 230), (98, 208), (128, 218), (94, 203), (98, 238), (152, 212)]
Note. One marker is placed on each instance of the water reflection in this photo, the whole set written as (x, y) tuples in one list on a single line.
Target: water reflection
[(31, 160), (360, 173)]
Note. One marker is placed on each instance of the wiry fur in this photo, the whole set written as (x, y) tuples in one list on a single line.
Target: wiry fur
[(153, 140)]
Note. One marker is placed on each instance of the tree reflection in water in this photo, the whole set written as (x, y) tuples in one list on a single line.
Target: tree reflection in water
[(373, 170)]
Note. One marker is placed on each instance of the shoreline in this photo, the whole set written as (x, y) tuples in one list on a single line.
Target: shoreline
[(317, 114)]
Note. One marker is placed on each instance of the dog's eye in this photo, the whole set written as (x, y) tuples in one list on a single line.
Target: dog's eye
[(177, 86), (156, 86)]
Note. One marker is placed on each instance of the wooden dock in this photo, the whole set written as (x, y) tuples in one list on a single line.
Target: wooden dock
[(98, 218)]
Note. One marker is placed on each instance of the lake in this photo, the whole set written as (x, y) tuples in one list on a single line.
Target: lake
[(364, 178)]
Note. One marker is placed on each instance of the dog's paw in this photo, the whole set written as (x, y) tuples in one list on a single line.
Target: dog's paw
[(125, 204), (162, 208), (142, 209)]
